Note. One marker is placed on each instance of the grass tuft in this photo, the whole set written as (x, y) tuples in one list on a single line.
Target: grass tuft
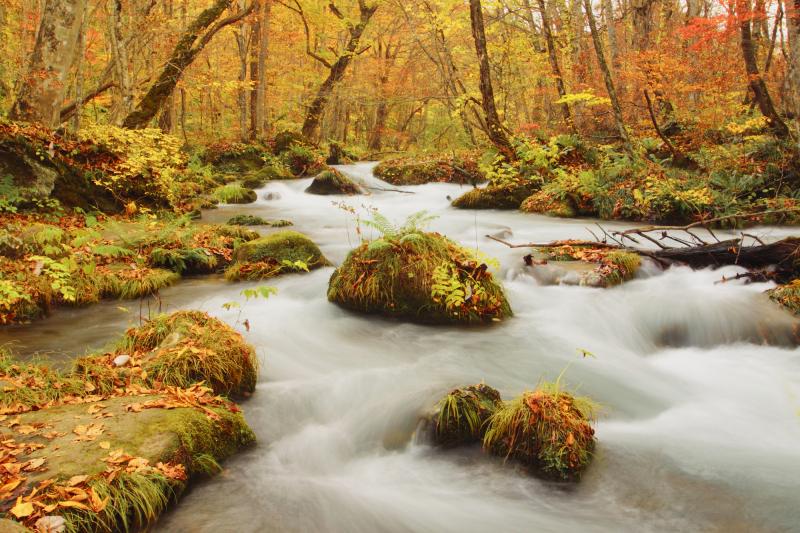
[(462, 415)]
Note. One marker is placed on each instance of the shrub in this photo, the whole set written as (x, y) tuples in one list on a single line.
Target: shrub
[(302, 160), (234, 194)]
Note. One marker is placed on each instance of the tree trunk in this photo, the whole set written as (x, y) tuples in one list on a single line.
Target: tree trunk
[(336, 72), (793, 18), (243, 36), (642, 23), (41, 92), (552, 54), (757, 85), (611, 31), (185, 52), (119, 54), (263, 51), (612, 93), (79, 74), (495, 129)]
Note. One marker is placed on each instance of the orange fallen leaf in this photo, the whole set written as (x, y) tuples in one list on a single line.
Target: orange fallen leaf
[(22, 509)]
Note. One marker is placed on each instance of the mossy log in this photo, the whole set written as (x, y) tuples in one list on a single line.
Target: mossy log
[(422, 277)]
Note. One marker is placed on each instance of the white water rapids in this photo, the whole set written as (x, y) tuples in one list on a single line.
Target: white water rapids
[(700, 428)]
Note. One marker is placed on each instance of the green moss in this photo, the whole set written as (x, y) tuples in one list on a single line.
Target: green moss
[(509, 195), (418, 276), (234, 194), (247, 220), (333, 182), (547, 430), (788, 296), (462, 415), (302, 160), (274, 254), (416, 170)]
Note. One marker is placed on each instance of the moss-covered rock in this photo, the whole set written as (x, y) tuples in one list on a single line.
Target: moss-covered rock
[(179, 349), (286, 139), (461, 416), (236, 158), (416, 170), (593, 266), (254, 220), (787, 296), (278, 253), (418, 276), (302, 160), (547, 430), (234, 194), (547, 204), (508, 195), (333, 182)]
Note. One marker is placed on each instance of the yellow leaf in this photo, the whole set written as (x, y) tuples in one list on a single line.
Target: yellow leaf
[(105, 444), (22, 510)]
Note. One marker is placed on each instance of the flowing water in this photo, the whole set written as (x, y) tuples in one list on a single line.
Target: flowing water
[(699, 383)]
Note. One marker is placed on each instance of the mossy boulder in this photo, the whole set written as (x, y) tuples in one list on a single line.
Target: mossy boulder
[(235, 158), (589, 265), (333, 182), (286, 139), (508, 195), (179, 349), (254, 220), (278, 253), (787, 296), (546, 204), (547, 430), (418, 276), (417, 171), (461, 416), (234, 193)]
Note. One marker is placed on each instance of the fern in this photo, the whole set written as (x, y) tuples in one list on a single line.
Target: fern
[(112, 250), (415, 223)]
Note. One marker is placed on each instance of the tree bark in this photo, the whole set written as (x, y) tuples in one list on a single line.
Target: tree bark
[(336, 71), (552, 54), (611, 31), (119, 55), (41, 92), (612, 93), (185, 52), (757, 85), (793, 19), (495, 130), (258, 60)]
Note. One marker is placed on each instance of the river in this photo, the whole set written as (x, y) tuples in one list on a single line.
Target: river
[(700, 422)]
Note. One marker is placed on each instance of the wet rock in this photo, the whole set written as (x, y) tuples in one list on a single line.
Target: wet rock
[(51, 524), (122, 360), (272, 196)]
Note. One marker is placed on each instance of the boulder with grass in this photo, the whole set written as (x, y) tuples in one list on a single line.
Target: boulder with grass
[(179, 349), (787, 296), (547, 430), (420, 170), (255, 220), (234, 193), (421, 277), (507, 195), (333, 182), (278, 253), (545, 203), (584, 264), (461, 416)]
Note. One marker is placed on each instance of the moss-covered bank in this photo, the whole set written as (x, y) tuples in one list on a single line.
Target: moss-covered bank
[(506, 195), (108, 446), (419, 170)]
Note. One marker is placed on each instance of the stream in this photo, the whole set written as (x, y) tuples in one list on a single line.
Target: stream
[(700, 421)]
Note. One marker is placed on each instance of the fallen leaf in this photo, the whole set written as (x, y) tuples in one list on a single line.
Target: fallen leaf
[(76, 480), (22, 509), (105, 444)]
